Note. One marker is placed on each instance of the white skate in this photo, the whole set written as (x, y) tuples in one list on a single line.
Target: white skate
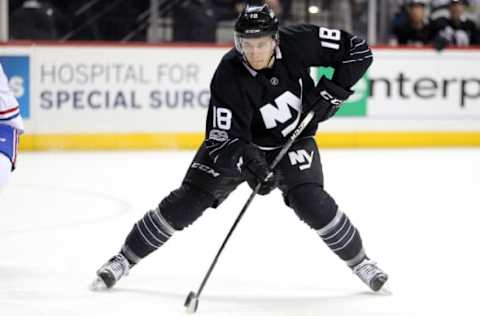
[(112, 271), (370, 274)]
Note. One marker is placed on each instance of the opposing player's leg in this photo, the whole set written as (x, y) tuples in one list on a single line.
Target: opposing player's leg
[(302, 187), (8, 153), (202, 187)]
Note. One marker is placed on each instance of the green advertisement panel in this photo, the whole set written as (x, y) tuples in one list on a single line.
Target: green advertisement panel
[(356, 105)]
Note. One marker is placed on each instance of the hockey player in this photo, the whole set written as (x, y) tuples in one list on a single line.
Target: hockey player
[(11, 125), (259, 93)]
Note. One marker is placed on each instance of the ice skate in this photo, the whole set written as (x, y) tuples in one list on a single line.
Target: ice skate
[(370, 274), (112, 271)]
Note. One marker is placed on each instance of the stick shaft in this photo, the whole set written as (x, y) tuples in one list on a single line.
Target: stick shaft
[(275, 162)]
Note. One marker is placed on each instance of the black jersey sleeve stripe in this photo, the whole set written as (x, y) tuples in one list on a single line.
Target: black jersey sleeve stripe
[(360, 52), (356, 60), (354, 46)]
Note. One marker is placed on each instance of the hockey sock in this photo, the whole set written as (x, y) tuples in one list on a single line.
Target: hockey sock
[(146, 236), (343, 239)]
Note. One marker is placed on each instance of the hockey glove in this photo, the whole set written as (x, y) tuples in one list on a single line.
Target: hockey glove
[(325, 99), (255, 169), (236, 156)]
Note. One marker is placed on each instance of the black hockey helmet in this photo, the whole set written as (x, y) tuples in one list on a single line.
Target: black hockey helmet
[(256, 21)]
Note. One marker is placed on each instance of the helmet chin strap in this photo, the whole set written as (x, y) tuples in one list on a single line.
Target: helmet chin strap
[(272, 59)]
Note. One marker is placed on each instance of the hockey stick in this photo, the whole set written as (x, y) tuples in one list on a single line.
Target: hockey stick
[(191, 303)]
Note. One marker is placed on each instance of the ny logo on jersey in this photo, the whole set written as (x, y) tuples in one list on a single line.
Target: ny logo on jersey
[(272, 115), (301, 157)]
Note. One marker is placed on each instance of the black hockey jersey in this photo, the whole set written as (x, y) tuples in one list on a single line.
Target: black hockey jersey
[(264, 107)]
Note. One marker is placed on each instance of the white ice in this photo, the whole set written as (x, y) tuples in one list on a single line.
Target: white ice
[(65, 214)]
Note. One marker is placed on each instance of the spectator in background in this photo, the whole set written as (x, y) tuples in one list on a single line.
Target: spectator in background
[(197, 20), (440, 8), (456, 29), (411, 26), (37, 20), (194, 21)]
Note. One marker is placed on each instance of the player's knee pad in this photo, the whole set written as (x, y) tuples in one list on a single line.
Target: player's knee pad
[(184, 205), (5, 170), (312, 204)]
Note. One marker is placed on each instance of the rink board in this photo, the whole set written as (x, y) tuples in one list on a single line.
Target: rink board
[(142, 97)]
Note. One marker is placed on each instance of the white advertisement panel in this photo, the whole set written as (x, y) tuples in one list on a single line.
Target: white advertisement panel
[(425, 84), (91, 90)]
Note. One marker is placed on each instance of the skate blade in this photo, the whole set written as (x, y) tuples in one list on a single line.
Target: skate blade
[(98, 285)]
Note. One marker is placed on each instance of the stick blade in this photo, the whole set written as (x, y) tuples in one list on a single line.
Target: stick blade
[(191, 302)]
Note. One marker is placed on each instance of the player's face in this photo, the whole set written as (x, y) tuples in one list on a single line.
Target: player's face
[(258, 51)]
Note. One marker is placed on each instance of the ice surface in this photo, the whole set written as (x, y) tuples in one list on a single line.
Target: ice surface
[(64, 214)]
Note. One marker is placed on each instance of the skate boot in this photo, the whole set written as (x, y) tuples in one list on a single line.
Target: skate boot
[(112, 271), (370, 274)]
